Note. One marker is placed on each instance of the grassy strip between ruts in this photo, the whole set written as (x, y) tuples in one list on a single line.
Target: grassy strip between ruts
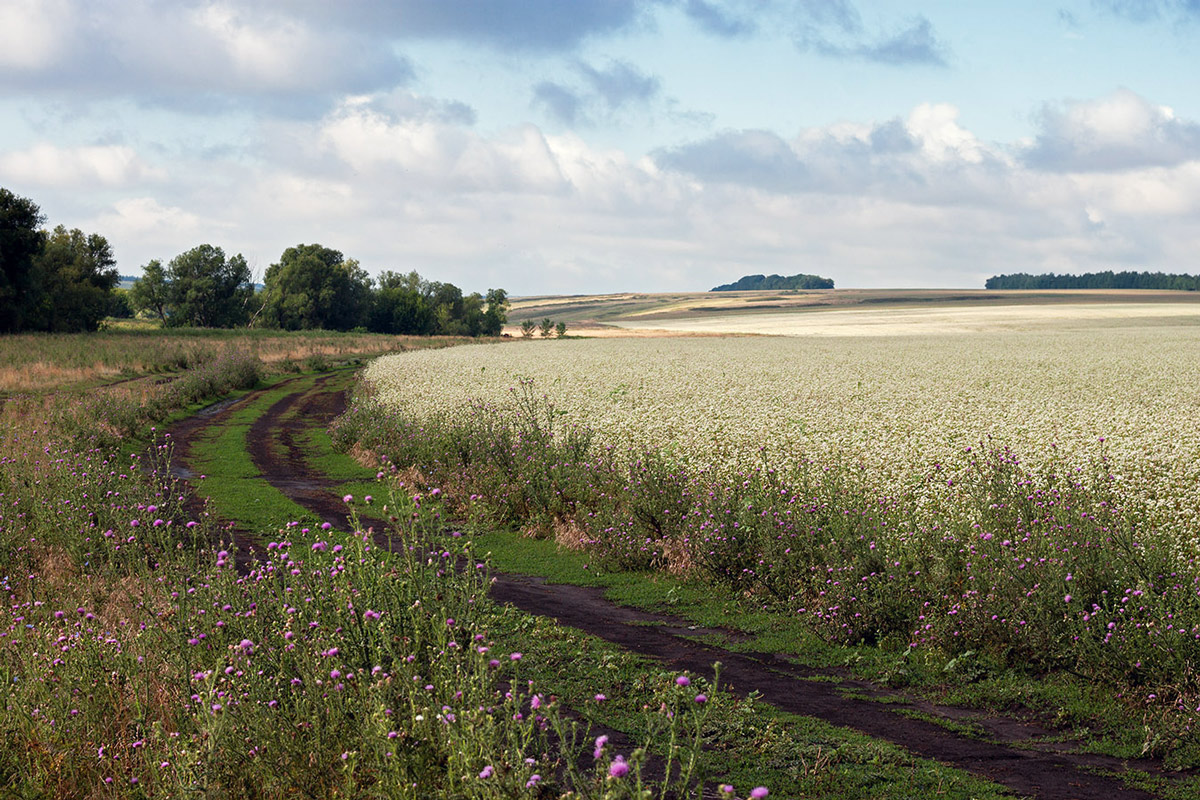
[(749, 742)]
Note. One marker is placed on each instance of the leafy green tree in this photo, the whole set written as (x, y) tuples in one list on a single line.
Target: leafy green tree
[(207, 290), (400, 307), (497, 312), (152, 291), (547, 327), (316, 287), (118, 304), (560, 330), (21, 239), (448, 311), (527, 328), (74, 278)]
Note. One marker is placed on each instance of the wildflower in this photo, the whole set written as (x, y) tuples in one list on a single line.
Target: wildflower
[(486, 772), (618, 768), (515, 656), (348, 498), (600, 742), (683, 680), (758, 792), (701, 699)]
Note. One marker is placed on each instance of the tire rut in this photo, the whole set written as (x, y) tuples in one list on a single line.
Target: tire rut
[(1010, 752)]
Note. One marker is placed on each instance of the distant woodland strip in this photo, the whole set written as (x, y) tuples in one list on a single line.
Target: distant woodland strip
[(776, 282), (1096, 280)]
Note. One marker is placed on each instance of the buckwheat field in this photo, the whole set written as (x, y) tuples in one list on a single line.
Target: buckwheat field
[(894, 409)]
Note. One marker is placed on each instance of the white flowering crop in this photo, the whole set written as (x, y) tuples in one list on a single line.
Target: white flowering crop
[(893, 406)]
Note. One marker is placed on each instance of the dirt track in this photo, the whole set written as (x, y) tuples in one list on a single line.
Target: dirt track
[(1014, 755)]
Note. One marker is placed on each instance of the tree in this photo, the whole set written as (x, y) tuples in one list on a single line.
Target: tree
[(560, 330), (527, 328), (152, 291), (118, 304), (316, 287), (547, 327), (21, 239), (399, 306), (209, 291), (497, 312), (74, 278)]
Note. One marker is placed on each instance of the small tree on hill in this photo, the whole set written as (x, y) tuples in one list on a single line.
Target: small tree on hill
[(527, 328), (547, 327), (560, 329)]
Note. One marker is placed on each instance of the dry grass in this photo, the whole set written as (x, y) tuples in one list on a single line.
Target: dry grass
[(50, 362), (569, 535)]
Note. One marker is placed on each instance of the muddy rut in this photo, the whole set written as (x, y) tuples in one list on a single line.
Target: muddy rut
[(1012, 752)]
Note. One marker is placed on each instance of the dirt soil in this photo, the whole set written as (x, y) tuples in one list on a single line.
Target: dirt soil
[(1012, 752)]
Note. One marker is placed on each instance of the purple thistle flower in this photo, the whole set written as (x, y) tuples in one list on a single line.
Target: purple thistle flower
[(599, 749)]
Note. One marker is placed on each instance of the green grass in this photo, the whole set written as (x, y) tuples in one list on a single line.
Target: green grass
[(749, 743), (229, 477), (1081, 711)]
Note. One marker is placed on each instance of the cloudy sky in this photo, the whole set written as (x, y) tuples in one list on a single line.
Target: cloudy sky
[(579, 146)]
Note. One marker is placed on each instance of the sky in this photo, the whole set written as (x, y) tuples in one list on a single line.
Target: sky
[(595, 146)]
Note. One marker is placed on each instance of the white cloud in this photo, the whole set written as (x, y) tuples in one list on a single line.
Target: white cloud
[(936, 126), (144, 215), (33, 33), (1119, 131), (46, 164), (433, 152), (188, 54)]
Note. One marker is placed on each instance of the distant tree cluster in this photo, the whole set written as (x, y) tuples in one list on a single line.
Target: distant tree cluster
[(58, 281), (776, 282), (311, 287), (66, 281), (1096, 280)]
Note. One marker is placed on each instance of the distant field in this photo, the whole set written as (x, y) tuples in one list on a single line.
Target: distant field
[(893, 321), (850, 312)]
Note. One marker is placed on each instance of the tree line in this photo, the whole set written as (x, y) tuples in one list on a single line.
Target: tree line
[(65, 281), (776, 282), (1096, 280)]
